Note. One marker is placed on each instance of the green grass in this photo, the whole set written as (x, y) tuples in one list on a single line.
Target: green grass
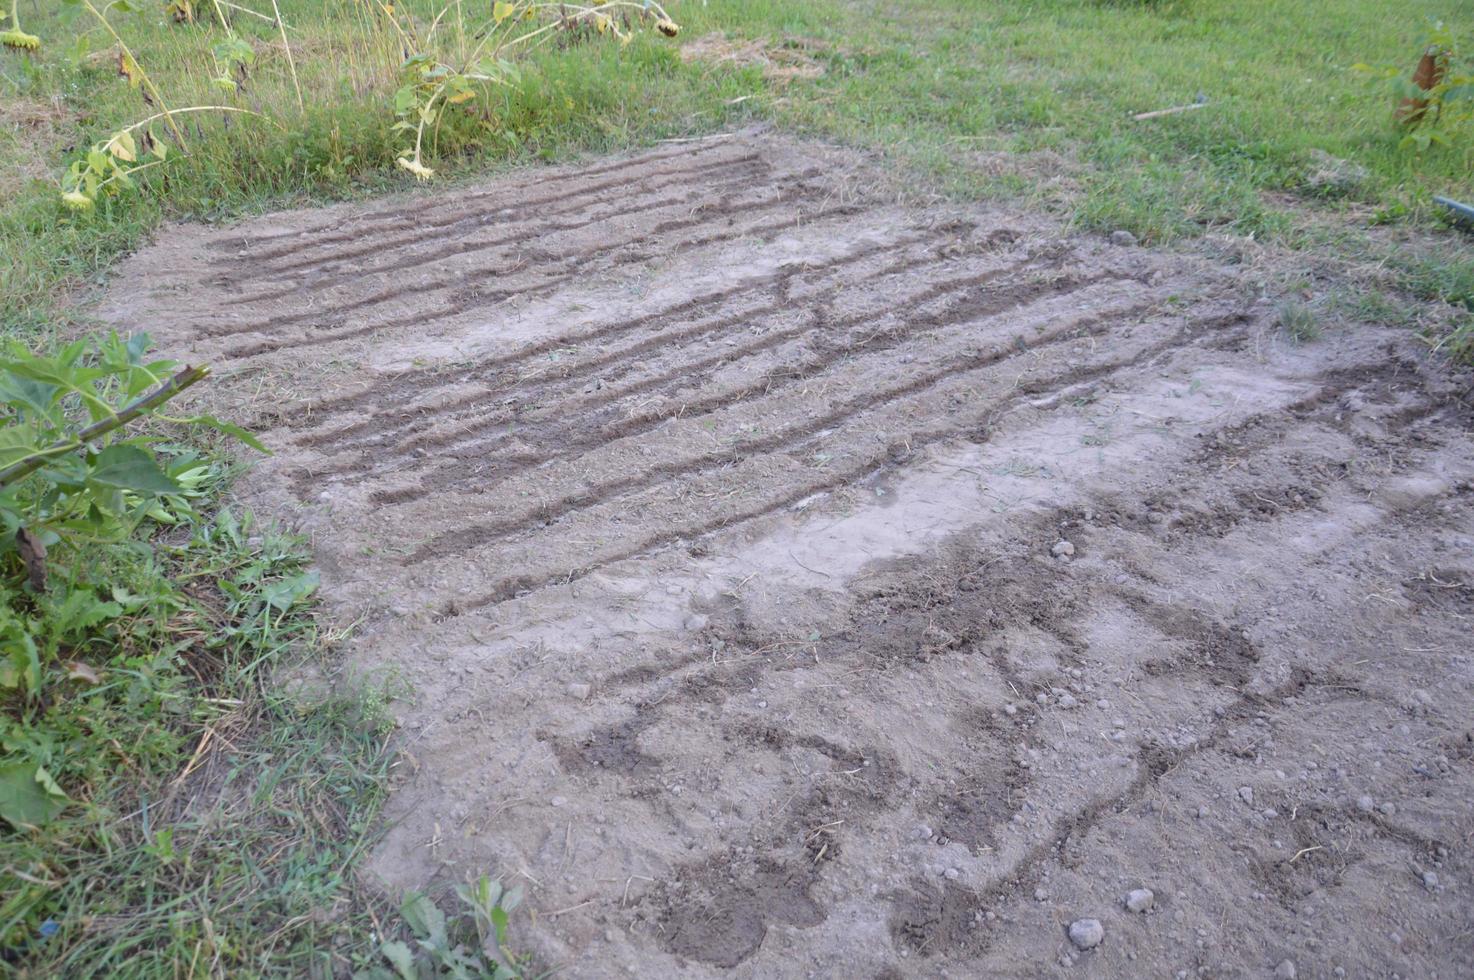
[(247, 865), (934, 83), (215, 812)]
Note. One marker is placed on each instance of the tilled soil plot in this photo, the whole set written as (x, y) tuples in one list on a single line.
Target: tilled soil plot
[(792, 582)]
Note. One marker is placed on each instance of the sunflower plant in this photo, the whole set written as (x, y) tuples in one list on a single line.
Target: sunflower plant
[(71, 473), (431, 87)]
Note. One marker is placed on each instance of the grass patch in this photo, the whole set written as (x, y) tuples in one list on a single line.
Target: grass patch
[(215, 814)]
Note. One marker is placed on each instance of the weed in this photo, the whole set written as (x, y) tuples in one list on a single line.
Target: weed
[(458, 946), (196, 816), (1300, 321)]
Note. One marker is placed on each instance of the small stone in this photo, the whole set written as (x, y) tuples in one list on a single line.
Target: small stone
[(1269, 813), (1140, 899), (1010, 710), (1041, 894), (1123, 238), (558, 800), (579, 691), (1068, 701), (921, 832), (1203, 813), (1388, 809), (1365, 804), (1246, 793), (1430, 880), (952, 874), (1285, 971), (1086, 933), (1062, 549)]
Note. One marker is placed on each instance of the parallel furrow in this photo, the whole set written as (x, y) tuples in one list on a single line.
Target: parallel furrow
[(428, 205), (509, 587), (431, 231), (574, 438), (409, 385), (568, 261), (403, 438), (473, 536), (471, 301)]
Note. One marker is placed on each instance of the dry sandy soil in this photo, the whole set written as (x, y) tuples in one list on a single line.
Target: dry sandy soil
[(796, 582)]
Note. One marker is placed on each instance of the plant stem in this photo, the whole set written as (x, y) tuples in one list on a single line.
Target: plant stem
[(142, 74), (291, 63), (153, 399)]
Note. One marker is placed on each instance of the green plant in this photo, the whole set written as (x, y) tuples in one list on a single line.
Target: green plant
[(455, 947), (431, 86), (70, 475), (1437, 102), (1300, 321)]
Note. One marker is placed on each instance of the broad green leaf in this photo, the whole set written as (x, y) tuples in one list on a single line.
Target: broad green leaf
[(36, 397), (17, 442), (499, 921), (424, 917), (123, 147), (80, 611), (137, 346), (230, 429), (21, 666), (29, 797), (125, 467), (401, 958), (286, 593)]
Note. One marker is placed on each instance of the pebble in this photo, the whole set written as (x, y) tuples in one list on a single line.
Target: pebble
[(1246, 793), (1041, 894), (558, 800), (1086, 933), (1062, 549), (579, 691), (1123, 238), (1430, 880), (1365, 804), (1140, 899), (921, 832), (1388, 809), (1285, 971), (1068, 701), (1010, 710), (952, 874)]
